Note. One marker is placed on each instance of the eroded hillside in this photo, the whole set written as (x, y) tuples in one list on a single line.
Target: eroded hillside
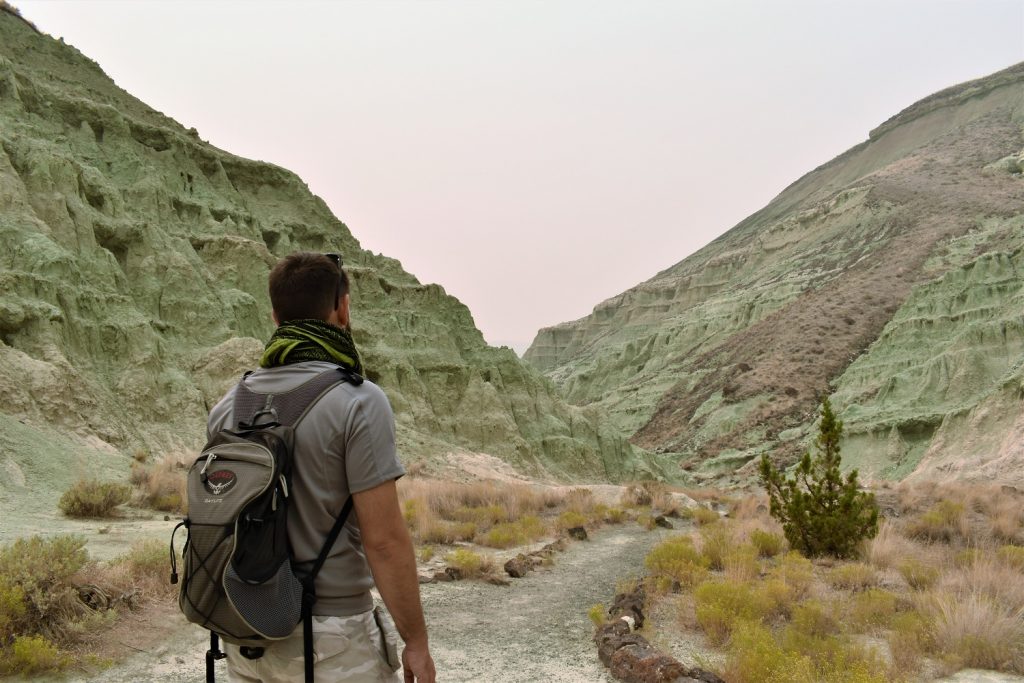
[(132, 294), (901, 254)]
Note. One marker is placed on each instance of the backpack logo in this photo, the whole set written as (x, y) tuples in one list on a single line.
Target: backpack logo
[(220, 482)]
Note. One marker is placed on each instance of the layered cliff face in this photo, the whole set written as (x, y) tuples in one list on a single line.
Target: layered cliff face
[(133, 294), (888, 275)]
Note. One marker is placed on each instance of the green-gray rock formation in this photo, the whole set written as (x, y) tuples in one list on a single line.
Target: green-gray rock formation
[(133, 294), (889, 275)]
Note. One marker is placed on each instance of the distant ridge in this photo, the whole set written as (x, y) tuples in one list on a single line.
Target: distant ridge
[(827, 290)]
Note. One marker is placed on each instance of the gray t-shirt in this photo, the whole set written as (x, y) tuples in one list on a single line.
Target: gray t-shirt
[(345, 444)]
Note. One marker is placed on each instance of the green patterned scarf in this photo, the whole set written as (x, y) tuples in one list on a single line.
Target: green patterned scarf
[(301, 340)]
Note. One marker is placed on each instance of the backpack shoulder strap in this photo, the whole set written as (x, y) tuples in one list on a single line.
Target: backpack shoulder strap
[(287, 407)]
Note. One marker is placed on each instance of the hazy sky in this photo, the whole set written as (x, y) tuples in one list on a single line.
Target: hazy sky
[(535, 158)]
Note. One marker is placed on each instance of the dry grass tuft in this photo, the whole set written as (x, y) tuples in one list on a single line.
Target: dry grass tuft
[(977, 630), (889, 547), (162, 485)]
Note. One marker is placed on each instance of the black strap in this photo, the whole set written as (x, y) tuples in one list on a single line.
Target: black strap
[(309, 588), (212, 655)]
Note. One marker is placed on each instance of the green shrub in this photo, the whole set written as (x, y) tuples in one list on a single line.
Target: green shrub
[(813, 618), (909, 640), (91, 498), (647, 522), (756, 657), (677, 559), (704, 516), (740, 564), (147, 560), (1012, 555), (835, 659), (509, 534), (468, 563), (853, 577), (12, 608), (615, 515), (795, 571), (598, 614), (820, 512), (874, 608), (716, 543), (918, 575), (967, 558), (944, 521), (482, 516), (40, 570), (570, 519), (446, 533), (30, 655), (722, 605), (426, 553), (767, 543)]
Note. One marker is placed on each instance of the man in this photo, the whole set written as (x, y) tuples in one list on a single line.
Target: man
[(344, 445)]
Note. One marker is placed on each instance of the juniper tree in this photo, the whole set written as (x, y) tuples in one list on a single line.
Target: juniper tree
[(821, 513)]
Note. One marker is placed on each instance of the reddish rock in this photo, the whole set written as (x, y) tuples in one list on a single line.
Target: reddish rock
[(641, 663), (630, 604), (518, 566)]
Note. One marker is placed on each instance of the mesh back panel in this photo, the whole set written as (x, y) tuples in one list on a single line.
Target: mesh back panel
[(271, 608), (288, 406)]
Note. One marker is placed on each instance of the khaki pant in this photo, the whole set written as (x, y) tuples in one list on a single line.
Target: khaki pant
[(356, 649)]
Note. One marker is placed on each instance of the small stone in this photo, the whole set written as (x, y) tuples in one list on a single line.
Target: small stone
[(455, 573), (662, 522), (699, 674), (578, 532), (496, 580), (427, 578), (443, 576)]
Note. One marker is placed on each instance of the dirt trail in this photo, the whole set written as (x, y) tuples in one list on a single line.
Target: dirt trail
[(536, 629)]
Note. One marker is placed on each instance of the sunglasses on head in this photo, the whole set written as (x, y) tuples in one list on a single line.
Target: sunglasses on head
[(336, 258)]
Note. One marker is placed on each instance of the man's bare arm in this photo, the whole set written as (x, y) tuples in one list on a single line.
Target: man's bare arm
[(390, 555)]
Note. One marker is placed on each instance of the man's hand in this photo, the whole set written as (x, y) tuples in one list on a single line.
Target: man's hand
[(417, 665)]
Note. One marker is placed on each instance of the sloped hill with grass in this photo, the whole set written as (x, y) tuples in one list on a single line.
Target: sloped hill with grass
[(132, 295), (889, 276)]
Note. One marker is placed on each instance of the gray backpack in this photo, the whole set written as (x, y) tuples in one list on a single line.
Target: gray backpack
[(238, 580)]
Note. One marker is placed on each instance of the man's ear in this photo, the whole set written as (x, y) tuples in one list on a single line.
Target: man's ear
[(344, 310), (273, 316)]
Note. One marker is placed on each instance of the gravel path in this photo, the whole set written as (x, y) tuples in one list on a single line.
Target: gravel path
[(536, 629)]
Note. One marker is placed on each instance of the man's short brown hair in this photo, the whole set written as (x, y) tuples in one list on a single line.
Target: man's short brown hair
[(306, 285)]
